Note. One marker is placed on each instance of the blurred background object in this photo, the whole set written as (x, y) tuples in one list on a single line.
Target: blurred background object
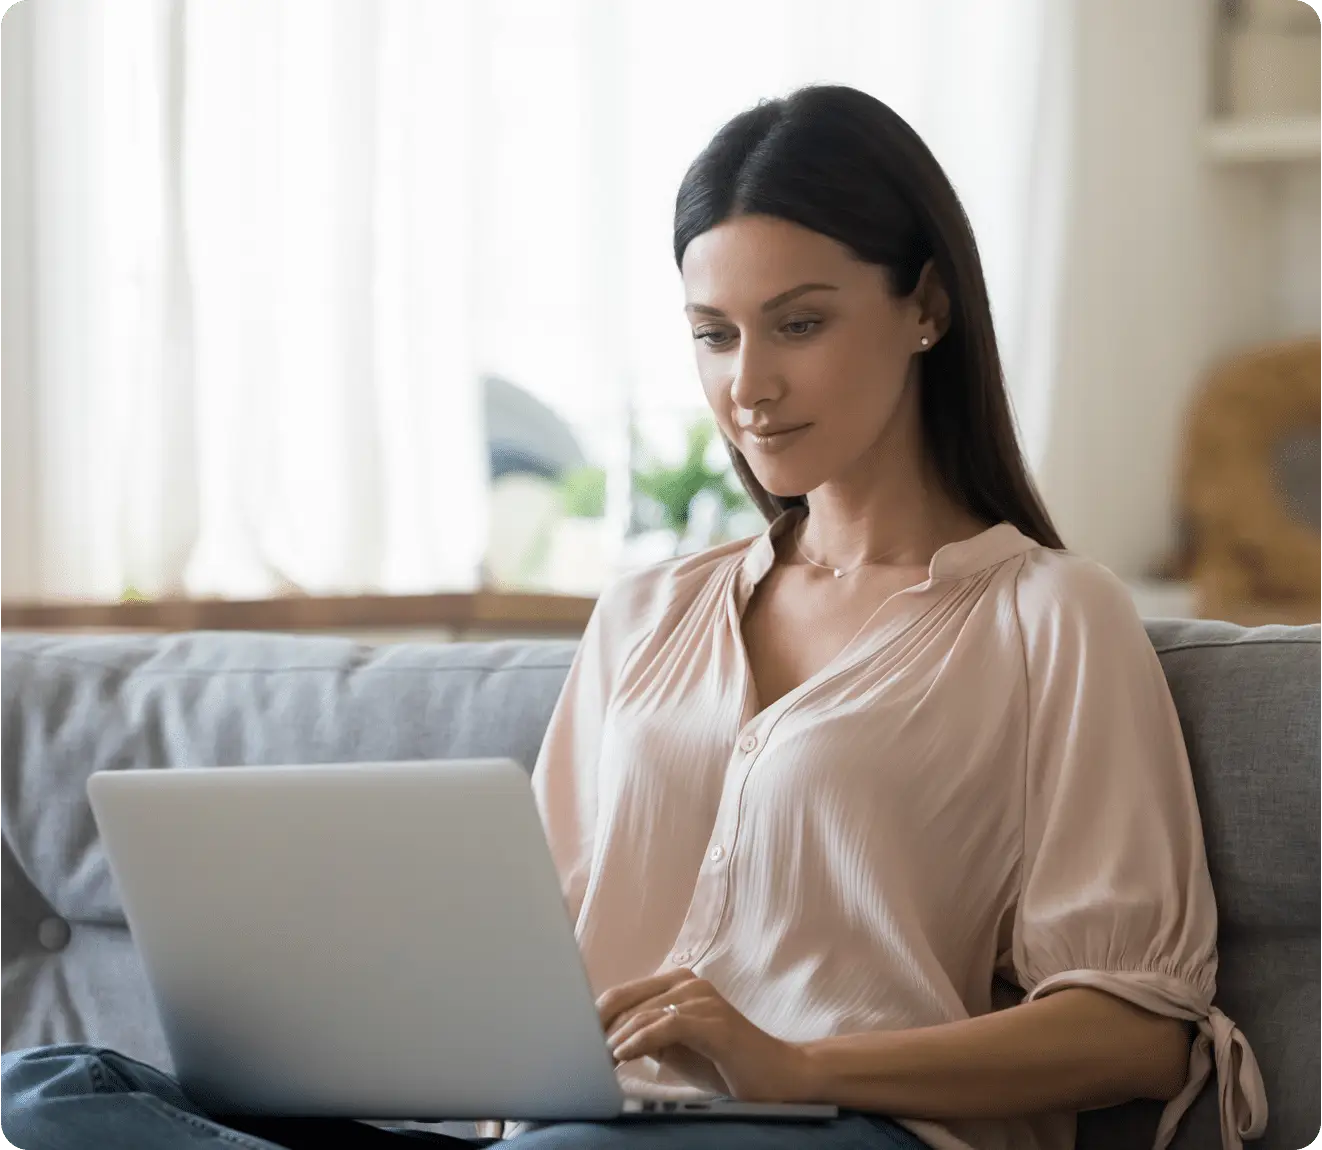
[(524, 436), (1269, 57), (532, 450), (1250, 488), (548, 526), (694, 502)]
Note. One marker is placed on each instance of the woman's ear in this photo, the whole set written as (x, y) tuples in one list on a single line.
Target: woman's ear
[(933, 304)]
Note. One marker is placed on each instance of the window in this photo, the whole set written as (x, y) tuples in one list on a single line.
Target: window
[(279, 250)]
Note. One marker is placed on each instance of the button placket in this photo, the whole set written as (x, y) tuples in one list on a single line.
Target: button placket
[(717, 851), (698, 941), (749, 744)]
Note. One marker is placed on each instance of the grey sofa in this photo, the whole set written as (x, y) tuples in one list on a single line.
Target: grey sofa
[(1248, 700)]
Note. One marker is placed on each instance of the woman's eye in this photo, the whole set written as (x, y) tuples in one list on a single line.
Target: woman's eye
[(714, 337), (707, 336)]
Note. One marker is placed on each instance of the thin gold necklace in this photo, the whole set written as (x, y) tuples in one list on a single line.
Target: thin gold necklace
[(838, 572)]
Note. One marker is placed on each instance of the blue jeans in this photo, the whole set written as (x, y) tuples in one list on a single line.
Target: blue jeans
[(86, 1098)]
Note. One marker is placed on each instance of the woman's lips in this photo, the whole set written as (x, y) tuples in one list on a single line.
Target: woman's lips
[(780, 441)]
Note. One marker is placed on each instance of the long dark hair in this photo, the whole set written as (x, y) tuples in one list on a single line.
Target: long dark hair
[(840, 162)]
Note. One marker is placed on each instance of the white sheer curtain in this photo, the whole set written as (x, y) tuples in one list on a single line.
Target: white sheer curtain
[(253, 360), (274, 244)]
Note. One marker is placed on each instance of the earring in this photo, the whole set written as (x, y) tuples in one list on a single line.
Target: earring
[(925, 342)]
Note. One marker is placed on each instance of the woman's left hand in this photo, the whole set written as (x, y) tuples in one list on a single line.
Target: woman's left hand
[(753, 1065)]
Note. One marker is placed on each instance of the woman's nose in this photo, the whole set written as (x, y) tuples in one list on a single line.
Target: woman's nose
[(753, 382)]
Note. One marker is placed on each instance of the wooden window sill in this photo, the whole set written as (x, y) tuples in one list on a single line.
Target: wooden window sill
[(480, 612)]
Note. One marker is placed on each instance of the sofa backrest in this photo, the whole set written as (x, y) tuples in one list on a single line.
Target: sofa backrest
[(1248, 702), (74, 705)]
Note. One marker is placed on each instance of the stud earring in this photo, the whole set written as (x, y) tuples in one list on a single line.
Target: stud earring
[(925, 342)]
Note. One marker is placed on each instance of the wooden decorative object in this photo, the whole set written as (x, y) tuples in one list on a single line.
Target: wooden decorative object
[(1252, 561)]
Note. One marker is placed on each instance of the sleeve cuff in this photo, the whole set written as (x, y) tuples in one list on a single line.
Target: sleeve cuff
[(1219, 1043)]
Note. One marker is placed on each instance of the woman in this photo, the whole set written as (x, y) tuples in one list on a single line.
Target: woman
[(810, 793)]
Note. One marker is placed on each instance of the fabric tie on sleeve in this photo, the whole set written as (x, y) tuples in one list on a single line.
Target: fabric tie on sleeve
[(1242, 1098)]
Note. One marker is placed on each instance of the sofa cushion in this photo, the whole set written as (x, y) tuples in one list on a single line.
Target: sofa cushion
[(77, 705)]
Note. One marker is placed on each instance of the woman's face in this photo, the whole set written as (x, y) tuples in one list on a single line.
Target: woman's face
[(805, 355)]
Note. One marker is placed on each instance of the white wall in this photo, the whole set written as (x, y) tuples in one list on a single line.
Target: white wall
[(1291, 225), (1172, 263)]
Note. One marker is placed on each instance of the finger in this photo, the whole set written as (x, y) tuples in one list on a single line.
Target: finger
[(631, 1025), (629, 995), (644, 1017), (695, 1010), (690, 992), (662, 1030)]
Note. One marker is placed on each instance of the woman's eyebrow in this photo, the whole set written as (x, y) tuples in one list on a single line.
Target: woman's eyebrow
[(774, 302)]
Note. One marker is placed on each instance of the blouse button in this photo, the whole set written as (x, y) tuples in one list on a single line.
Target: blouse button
[(53, 933), (748, 744), (717, 853)]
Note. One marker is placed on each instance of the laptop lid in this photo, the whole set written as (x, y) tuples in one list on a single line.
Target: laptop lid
[(372, 940)]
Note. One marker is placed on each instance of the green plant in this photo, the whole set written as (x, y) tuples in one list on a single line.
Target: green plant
[(673, 489), (583, 493)]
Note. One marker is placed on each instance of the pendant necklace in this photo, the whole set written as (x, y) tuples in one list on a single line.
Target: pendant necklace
[(838, 572)]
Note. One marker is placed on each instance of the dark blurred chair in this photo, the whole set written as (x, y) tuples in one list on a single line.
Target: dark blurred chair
[(531, 448), (524, 436)]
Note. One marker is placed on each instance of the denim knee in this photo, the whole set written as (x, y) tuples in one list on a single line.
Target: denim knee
[(31, 1078), (51, 1071), (77, 1097)]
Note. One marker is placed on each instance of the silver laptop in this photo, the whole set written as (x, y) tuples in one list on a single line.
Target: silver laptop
[(381, 941)]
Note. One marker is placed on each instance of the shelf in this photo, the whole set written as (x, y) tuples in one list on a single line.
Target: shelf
[(480, 611), (1288, 139)]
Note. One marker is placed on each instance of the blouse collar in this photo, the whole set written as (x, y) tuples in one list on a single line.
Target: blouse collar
[(955, 560)]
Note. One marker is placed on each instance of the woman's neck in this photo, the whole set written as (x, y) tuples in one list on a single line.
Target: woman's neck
[(887, 525)]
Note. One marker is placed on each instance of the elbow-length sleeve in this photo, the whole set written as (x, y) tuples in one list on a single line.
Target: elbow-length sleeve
[(1115, 893), (565, 775)]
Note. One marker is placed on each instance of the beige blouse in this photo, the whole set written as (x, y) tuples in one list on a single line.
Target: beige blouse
[(989, 778)]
